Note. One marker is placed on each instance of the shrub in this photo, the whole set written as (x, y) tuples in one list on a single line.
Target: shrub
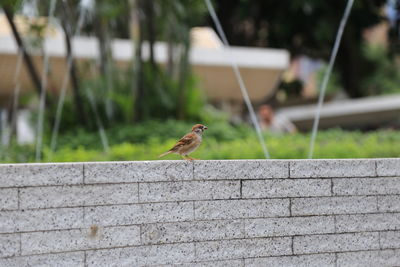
[(330, 144)]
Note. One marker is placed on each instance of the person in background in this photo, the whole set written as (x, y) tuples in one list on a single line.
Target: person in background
[(274, 123)]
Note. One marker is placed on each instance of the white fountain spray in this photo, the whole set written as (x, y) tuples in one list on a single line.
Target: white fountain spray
[(239, 78), (327, 76), (86, 8), (42, 103)]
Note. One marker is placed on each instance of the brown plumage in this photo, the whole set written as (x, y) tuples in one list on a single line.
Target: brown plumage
[(188, 143)]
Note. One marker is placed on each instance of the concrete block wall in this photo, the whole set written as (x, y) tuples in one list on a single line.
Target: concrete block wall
[(201, 213)]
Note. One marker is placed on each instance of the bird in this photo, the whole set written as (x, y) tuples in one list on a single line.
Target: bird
[(188, 143)]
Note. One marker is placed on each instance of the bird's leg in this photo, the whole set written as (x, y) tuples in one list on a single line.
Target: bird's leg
[(190, 158), (185, 157)]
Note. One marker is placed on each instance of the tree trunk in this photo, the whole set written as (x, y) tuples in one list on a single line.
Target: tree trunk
[(170, 56), (151, 32), (183, 76), (66, 25), (103, 47), (350, 65), (27, 58), (101, 31), (139, 88), (171, 31)]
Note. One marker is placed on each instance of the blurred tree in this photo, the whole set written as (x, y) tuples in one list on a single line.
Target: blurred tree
[(163, 92), (66, 19), (305, 27), (149, 89), (33, 73)]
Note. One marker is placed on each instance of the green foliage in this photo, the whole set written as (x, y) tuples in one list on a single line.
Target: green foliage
[(305, 27), (161, 95), (221, 141), (160, 104), (333, 85), (330, 144), (14, 4), (385, 78), (152, 130), (17, 153), (143, 91)]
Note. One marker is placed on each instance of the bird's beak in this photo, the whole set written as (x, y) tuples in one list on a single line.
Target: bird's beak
[(205, 128)]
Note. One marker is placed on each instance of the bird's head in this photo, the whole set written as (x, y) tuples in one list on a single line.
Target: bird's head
[(199, 128)]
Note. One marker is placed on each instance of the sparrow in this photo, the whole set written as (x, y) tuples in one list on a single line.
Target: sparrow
[(188, 143)]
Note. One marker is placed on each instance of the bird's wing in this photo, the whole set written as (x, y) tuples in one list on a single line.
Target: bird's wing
[(185, 141)]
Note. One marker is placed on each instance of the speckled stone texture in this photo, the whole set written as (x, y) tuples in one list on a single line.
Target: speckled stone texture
[(139, 213), (240, 169), (8, 199), (72, 240), (139, 171), (289, 226), (40, 220), (9, 245), (326, 260), (388, 167), (369, 258), (20, 175), (76, 196), (46, 260), (191, 190), (142, 256), (366, 186), (334, 205), (192, 231), (239, 213), (332, 168), (335, 242), (243, 248)]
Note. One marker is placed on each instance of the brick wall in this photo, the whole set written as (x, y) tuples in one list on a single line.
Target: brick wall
[(206, 213)]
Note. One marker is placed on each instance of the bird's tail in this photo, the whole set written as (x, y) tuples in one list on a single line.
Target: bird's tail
[(166, 153)]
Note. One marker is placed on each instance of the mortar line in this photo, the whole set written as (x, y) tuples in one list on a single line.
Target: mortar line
[(84, 216), (379, 240), (334, 223), (292, 245), (241, 188), (20, 244), (138, 193), (205, 241), (221, 200), (195, 250), (68, 184), (377, 204), (290, 207), (194, 211), (289, 169), (84, 259), (19, 198), (287, 255), (140, 234), (332, 187), (336, 259), (83, 173), (376, 168), (201, 261), (177, 222), (218, 200), (244, 229), (192, 170)]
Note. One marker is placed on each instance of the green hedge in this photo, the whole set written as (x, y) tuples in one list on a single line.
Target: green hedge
[(234, 145)]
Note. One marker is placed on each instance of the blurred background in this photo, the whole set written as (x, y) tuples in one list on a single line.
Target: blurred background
[(85, 80)]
